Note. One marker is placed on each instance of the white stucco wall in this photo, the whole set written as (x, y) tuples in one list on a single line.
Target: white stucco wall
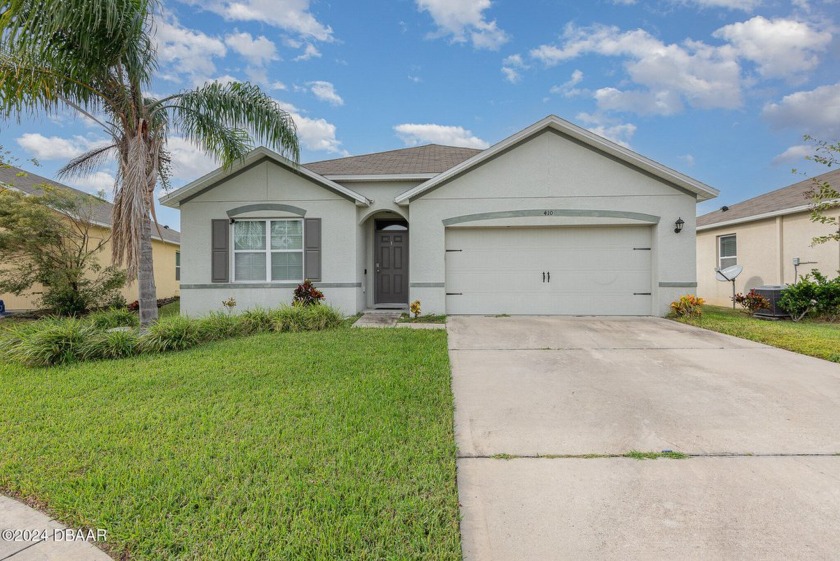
[(271, 183), (553, 172)]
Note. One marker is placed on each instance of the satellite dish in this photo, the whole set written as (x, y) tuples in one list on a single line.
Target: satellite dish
[(729, 274)]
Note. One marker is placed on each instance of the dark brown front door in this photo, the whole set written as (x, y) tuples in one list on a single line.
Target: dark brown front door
[(391, 266)]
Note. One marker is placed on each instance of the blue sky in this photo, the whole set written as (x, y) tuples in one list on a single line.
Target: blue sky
[(722, 90)]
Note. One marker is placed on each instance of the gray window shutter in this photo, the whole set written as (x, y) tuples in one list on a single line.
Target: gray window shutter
[(312, 257), (220, 268)]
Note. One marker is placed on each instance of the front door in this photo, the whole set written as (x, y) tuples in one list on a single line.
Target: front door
[(391, 264)]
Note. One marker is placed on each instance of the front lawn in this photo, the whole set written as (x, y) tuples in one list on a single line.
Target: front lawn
[(319, 445), (813, 338)]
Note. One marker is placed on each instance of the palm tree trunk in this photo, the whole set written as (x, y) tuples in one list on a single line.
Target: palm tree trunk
[(146, 277)]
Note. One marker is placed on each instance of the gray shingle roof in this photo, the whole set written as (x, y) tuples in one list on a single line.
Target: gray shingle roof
[(431, 158), (31, 184), (785, 198)]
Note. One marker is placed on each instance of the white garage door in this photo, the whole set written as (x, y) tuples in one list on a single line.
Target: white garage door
[(566, 271)]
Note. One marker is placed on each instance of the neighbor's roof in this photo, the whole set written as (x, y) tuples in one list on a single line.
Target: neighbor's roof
[(702, 191), (31, 184), (429, 159), (786, 200)]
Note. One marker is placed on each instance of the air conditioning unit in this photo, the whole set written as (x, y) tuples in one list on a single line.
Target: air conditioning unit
[(772, 293)]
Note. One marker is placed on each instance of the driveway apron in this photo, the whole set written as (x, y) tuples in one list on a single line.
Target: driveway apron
[(546, 408)]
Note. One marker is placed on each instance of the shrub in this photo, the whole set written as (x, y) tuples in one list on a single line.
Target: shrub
[(48, 342), (218, 325), (111, 344), (688, 306), (255, 320), (752, 301), (414, 308), (307, 295), (174, 333), (114, 317), (814, 295), (304, 318)]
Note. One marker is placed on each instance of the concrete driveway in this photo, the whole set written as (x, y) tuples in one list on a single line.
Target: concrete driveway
[(762, 427)]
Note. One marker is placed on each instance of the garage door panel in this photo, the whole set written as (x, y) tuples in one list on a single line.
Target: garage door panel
[(593, 270)]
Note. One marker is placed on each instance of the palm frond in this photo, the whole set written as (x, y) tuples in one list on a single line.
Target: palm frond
[(223, 118), (87, 163)]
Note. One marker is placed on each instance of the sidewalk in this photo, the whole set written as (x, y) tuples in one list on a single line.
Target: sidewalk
[(58, 545)]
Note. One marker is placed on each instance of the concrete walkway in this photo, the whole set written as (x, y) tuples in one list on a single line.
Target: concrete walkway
[(60, 544), (536, 397), (389, 318)]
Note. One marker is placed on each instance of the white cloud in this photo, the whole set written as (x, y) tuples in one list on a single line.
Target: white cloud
[(290, 15), (258, 51), (794, 153), (186, 51), (95, 183), (688, 159), (464, 21), (56, 147), (620, 133), (815, 112), (511, 66), (781, 47), (670, 75), (325, 91), (309, 52), (189, 162), (414, 134), (314, 134), (568, 88)]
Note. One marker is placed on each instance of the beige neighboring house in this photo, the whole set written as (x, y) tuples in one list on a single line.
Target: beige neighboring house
[(166, 248), (765, 235)]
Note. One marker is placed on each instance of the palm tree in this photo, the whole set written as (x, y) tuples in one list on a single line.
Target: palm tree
[(97, 57)]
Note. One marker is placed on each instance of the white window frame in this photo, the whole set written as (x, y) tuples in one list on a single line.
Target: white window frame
[(719, 252), (268, 251)]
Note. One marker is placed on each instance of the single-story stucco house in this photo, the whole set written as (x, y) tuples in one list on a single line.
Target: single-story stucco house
[(166, 245), (552, 220), (767, 235)]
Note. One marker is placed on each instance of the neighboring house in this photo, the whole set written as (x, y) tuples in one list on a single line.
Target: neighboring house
[(166, 251), (553, 220), (764, 235)]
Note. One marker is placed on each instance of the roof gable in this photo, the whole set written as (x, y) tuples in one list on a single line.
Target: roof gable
[(31, 184), (427, 159), (552, 122), (791, 199), (254, 157)]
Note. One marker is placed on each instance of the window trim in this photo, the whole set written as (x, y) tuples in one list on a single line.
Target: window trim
[(268, 251), (719, 247)]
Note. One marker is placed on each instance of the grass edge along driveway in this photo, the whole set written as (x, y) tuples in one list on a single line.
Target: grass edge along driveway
[(812, 338), (336, 444)]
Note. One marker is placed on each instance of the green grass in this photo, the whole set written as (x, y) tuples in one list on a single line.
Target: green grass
[(406, 318), (314, 445), (637, 455), (171, 309), (818, 339)]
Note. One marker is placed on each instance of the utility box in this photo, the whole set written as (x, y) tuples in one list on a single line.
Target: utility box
[(772, 293)]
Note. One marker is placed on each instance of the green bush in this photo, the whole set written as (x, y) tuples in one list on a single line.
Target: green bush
[(255, 320), (304, 318), (111, 344), (174, 333), (219, 325), (814, 295), (115, 317), (48, 342)]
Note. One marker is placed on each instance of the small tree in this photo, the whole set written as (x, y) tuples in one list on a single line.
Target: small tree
[(50, 240), (823, 195)]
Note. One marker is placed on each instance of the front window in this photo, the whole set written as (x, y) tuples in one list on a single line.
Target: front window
[(268, 250), (727, 251)]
